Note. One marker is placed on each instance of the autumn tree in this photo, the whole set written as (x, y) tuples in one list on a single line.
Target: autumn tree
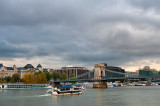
[(35, 79), (28, 78), (39, 72), (39, 77), (42, 78), (64, 76), (72, 75), (3, 81)]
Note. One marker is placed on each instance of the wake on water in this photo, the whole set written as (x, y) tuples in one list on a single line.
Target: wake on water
[(42, 95)]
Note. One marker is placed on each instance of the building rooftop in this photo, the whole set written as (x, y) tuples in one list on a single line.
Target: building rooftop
[(21, 68), (73, 68), (1, 65), (9, 68), (39, 65), (29, 66)]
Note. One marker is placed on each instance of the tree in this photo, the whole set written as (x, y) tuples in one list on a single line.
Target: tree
[(3, 81), (28, 78), (72, 75), (56, 75), (39, 72), (64, 76), (35, 78), (15, 78), (48, 76), (42, 78), (8, 79)]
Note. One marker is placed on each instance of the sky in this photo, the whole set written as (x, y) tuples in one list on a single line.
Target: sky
[(57, 33)]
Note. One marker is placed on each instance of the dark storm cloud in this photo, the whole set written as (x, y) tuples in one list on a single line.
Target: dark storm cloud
[(37, 12), (145, 4), (80, 31), (8, 50)]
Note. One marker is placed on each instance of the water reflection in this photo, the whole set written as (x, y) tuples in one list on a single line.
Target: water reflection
[(54, 100)]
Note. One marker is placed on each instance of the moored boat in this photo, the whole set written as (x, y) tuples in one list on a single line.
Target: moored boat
[(24, 86), (140, 85), (109, 84)]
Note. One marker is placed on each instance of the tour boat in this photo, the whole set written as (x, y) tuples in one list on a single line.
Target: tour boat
[(65, 90), (79, 86)]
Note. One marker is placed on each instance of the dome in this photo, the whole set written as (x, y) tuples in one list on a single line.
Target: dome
[(39, 66), (29, 66)]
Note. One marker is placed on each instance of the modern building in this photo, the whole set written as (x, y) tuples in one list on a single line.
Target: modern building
[(117, 69), (146, 71), (71, 70), (130, 74)]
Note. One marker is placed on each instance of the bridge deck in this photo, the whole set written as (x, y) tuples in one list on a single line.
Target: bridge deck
[(105, 78)]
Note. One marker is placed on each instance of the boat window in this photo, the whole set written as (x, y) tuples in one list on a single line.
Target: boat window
[(67, 88), (76, 88)]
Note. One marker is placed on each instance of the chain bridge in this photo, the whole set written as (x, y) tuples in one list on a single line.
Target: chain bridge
[(100, 75)]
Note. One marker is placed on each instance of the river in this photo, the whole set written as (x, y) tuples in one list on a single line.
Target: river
[(120, 96)]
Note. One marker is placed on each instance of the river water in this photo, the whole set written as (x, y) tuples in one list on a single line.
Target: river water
[(120, 96)]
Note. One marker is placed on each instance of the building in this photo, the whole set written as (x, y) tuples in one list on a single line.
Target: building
[(7, 71), (117, 69), (29, 68), (71, 70), (146, 71), (39, 67), (100, 71), (45, 69), (131, 74)]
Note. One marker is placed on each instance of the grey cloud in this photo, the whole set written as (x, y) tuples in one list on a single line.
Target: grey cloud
[(145, 4), (8, 50), (37, 12), (78, 31)]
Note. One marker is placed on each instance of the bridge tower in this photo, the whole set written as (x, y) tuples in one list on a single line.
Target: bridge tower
[(99, 73)]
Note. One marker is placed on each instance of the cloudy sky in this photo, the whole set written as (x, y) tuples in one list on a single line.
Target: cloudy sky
[(58, 33)]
